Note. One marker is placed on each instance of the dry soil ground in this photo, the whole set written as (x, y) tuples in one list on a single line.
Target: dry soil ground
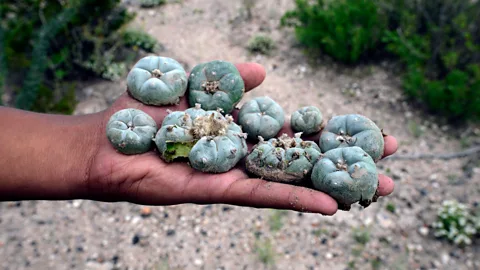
[(93, 235)]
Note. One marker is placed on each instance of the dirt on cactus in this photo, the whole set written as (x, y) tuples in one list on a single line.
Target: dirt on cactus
[(392, 233)]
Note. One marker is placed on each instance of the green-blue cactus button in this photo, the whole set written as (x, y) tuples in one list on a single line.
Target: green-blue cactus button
[(130, 131), (261, 116), (307, 120), (215, 85), (209, 140), (157, 80), (283, 159), (348, 175), (353, 130)]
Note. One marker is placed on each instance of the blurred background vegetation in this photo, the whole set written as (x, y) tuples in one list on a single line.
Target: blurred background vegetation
[(47, 45), (437, 42)]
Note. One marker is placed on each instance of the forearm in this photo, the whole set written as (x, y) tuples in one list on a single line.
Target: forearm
[(45, 156)]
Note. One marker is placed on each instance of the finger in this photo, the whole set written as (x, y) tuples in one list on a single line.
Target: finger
[(252, 74), (391, 145), (264, 194), (156, 112), (385, 185)]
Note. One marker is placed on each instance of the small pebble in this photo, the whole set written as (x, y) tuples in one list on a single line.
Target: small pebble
[(77, 203), (198, 262), (423, 230), (445, 258), (146, 211), (135, 220)]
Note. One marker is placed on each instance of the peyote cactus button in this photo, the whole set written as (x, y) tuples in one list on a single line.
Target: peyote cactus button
[(156, 80), (131, 131), (307, 120), (347, 174), (211, 142), (288, 160), (261, 116), (353, 130), (216, 84)]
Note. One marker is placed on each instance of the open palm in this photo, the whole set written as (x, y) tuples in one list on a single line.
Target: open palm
[(146, 179)]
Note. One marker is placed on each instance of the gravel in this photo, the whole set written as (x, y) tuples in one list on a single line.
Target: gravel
[(92, 235)]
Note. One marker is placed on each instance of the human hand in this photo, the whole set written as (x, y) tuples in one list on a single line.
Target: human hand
[(146, 179)]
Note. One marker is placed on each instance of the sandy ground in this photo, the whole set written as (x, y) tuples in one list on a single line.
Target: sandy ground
[(93, 235)]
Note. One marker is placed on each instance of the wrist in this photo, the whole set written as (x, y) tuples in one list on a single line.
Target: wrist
[(84, 144), (46, 156)]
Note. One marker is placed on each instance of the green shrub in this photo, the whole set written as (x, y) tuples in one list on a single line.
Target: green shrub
[(151, 3), (265, 251), (261, 44), (361, 235), (49, 42), (439, 43), (457, 95), (3, 63), (343, 29), (138, 39), (39, 64), (60, 100)]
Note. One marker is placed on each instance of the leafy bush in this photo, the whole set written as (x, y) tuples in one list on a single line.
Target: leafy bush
[(34, 77), (138, 39), (439, 43), (151, 3), (456, 223), (261, 44), (50, 42), (343, 29), (3, 63), (456, 96)]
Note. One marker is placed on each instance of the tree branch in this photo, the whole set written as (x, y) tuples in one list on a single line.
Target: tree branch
[(443, 156)]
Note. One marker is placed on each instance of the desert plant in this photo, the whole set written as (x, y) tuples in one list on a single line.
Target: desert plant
[(308, 120), (59, 98), (3, 62), (265, 252), (157, 80), (211, 142), (275, 220), (353, 130), (38, 66), (361, 235), (215, 84), (131, 131), (151, 3), (283, 159), (261, 116), (140, 39), (344, 29), (348, 175), (261, 44), (390, 207), (54, 41), (439, 43), (456, 223)]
